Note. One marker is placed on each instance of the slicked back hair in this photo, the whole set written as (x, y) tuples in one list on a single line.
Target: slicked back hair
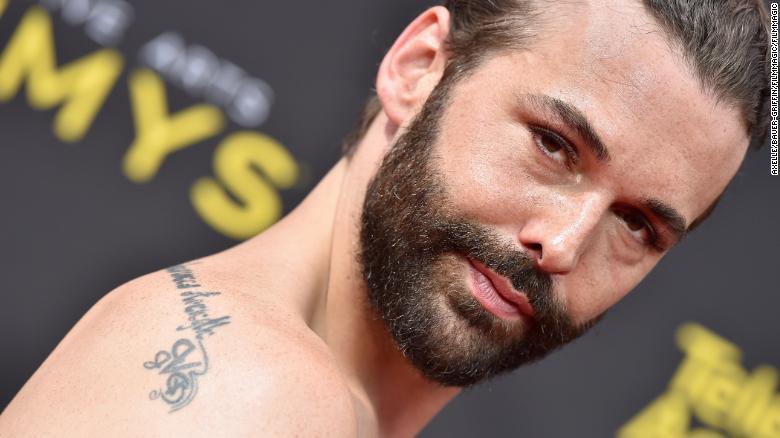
[(724, 42)]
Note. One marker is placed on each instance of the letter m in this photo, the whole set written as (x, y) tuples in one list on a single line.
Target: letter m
[(80, 86)]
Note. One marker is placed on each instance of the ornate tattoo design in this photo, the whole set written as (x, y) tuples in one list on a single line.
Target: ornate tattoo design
[(186, 360)]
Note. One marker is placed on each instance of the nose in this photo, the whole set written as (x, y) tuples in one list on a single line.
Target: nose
[(558, 233)]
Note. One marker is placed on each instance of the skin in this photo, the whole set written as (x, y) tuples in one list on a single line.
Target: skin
[(302, 354)]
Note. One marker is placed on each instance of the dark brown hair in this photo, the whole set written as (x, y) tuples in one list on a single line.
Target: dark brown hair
[(724, 42)]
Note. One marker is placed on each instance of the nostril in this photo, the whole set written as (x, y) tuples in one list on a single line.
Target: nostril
[(536, 248)]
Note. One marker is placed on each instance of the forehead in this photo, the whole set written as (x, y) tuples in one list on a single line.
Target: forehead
[(667, 134)]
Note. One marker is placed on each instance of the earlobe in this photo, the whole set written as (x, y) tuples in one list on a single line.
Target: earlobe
[(413, 65)]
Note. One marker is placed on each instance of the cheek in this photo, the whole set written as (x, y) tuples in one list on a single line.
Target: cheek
[(599, 282), (486, 173)]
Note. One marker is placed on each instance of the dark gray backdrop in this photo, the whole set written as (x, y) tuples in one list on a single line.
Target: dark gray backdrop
[(72, 227)]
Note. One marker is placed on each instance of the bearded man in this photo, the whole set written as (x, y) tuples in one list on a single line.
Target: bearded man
[(523, 165)]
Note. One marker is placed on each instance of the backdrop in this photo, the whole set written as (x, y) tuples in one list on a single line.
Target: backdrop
[(117, 158)]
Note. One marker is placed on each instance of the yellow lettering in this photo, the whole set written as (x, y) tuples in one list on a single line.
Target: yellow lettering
[(752, 403), (770, 424), (236, 162), (82, 85), (158, 133), (666, 417), (712, 384), (705, 433), (3, 4), (710, 376)]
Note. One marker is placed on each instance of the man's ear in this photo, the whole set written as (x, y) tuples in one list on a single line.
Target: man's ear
[(413, 66)]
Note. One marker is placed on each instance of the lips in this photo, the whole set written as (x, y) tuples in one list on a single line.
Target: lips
[(497, 293)]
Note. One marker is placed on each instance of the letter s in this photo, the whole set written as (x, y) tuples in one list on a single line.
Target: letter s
[(236, 163)]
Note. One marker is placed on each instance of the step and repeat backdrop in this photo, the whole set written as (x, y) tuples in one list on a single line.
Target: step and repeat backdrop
[(138, 134)]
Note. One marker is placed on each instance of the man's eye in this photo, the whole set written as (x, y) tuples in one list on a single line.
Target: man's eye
[(638, 226), (549, 144), (554, 146)]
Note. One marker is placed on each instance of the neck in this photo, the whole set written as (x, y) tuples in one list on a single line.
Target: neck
[(399, 398), (330, 293)]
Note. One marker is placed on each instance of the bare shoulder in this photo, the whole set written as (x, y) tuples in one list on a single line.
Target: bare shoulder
[(175, 353)]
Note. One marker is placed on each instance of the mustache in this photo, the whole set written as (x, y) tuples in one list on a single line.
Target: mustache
[(481, 244)]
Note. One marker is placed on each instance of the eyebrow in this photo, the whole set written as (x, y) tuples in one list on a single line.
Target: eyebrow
[(670, 216), (575, 120)]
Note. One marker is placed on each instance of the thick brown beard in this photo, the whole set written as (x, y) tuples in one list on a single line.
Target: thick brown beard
[(412, 259)]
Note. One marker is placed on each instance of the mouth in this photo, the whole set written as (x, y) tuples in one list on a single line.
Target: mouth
[(496, 293)]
